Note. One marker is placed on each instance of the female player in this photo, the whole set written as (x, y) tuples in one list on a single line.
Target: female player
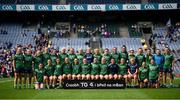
[(143, 75), (95, 69), (76, 70), (39, 74), (86, 70)]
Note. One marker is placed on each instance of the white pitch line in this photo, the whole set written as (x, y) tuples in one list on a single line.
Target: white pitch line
[(6, 81)]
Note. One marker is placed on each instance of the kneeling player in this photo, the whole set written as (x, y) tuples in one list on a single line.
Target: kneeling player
[(67, 69), (76, 70), (153, 74), (103, 69), (113, 69), (143, 75), (58, 73), (86, 70), (49, 73), (39, 74), (132, 72), (95, 69), (123, 70)]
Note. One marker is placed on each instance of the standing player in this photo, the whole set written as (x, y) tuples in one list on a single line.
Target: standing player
[(37, 59), (143, 75), (85, 70), (18, 67), (46, 56), (39, 77), (132, 71), (148, 57), (95, 69), (168, 66), (123, 70), (63, 55), (104, 69), (58, 73), (159, 60), (131, 54), (76, 70), (140, 57), (97, 55), (124, 53), (80, 56), (107, 56), (153, 74), (89, 55), (67, 69), (115, 54), (49, 73), (28, 64), (71, 55), (53, 56), (113, 69)]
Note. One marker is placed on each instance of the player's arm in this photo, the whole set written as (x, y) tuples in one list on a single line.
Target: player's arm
[(14, 63)]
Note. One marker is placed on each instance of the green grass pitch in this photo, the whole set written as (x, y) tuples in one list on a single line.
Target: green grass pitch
[(7, 92)]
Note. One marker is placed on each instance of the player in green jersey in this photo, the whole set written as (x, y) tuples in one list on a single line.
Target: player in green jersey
[(153, 74), (85, 70), (63, 55), (37, 59), (18, 66), (53, 56), (39, 77), (115, 54), (80, 55), (168, 66), (143, 73), (67, 69), (71, 55), (58, 73), (76, 70), (97, 55), (49, 73), (131, 54), (107, 55), (46, 56), (28, 64), (140, 57), (103, 69), (95, 69), (123, 70), (124, 53), (149, 56)]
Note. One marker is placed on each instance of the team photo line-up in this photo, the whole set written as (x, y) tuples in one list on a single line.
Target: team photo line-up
[(48, 68)]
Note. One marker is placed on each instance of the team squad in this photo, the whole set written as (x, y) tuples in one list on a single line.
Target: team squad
[(48, 68)]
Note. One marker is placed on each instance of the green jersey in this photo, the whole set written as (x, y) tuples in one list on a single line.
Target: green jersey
[(28, 59), (143, 73), (98, 56), (39, 73), (46, 56), (107, 57), (148, 59), (131, 56), (95, 69), (140, 58), (67, 68), (80, 58), (58, 70), (49, 70), (115, 56), (37, 61), (122, 69), (168, 61), (53, 58), (86, 69), (153, 71), (76, 69), (103, 69), (124, 55), (19, 60), (71, 57), (62, 56)]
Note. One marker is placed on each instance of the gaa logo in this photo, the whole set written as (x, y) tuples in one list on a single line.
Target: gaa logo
[(25, 7), (96, 7), (113, 7), (7, 7), (61, 7), (131, 7), (149, 6), (167, 6), (43, 7), (78, 7)]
